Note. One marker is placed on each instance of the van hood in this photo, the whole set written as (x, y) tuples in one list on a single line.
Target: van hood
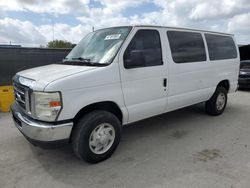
[(49, 73)]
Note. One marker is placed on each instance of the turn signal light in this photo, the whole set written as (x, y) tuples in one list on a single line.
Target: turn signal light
[(54, 103)]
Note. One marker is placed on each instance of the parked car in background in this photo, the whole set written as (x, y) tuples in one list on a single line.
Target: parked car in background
[(244, 76), (120, 75)]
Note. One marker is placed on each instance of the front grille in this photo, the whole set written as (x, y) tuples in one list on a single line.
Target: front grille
[(245, 66), (21, 95), (245, 76)]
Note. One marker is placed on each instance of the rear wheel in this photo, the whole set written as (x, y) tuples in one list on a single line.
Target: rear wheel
[(217, 103), (96, 136)]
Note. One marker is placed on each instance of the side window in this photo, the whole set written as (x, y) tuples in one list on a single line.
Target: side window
[(220, 47), (186, 47), (144, 50)]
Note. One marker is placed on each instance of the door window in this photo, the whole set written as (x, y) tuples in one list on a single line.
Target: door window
[(144, 50)]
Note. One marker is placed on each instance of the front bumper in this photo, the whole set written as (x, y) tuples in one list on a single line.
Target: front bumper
[(38, 132), (244, 82)]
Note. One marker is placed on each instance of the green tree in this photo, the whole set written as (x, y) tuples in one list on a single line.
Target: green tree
[(60, 44)]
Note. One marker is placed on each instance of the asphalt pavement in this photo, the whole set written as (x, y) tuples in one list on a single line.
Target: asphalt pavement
[(182, 149)]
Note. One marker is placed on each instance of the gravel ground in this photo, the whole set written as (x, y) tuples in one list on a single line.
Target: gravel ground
[(185, 148)]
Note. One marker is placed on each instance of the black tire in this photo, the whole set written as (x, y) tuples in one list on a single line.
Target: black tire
[(211, 106), (82, 132)]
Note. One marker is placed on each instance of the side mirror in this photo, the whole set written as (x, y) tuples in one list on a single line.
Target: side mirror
[(136, 59)]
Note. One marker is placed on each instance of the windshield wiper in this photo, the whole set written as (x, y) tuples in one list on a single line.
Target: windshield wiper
[(83, 63), (81, 59), (95, 64)]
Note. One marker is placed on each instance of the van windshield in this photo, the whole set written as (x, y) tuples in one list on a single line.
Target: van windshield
[(99, 47)]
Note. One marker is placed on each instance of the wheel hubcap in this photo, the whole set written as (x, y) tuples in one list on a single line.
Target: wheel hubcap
[(220, 102), (102, 138)]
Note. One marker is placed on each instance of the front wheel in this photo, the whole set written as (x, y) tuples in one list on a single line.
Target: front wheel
[(217, 103), (96, 136)]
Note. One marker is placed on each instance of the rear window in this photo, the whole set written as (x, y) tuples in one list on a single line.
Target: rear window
[(220, 47), (186, 47)]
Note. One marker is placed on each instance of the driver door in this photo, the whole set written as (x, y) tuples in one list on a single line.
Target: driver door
[(143, 74)]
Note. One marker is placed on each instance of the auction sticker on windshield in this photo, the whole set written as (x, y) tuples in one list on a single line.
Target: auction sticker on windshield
[(112, 37)]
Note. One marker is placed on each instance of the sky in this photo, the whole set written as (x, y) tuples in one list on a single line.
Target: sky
[(31, 22)]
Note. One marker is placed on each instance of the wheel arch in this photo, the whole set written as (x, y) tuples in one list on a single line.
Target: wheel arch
[(225, 84), (109, 106)]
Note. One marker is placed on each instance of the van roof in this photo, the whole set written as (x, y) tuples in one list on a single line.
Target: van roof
[(181, 28)]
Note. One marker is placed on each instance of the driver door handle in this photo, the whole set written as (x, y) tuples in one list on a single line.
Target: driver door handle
[(165, 82)]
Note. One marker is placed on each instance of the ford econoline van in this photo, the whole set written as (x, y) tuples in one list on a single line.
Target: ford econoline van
[(119, 75)]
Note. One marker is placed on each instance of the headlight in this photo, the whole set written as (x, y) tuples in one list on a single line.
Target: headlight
[(46, 106)]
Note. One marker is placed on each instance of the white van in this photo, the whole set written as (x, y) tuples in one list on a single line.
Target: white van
[(120, 75)]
